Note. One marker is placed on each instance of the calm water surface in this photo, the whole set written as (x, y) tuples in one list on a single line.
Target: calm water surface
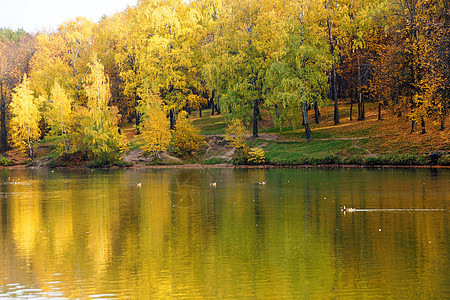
[(95, 234)]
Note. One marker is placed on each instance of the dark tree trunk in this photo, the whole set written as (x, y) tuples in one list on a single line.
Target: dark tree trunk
[(363, 109), (351, 109), (361, 115), (136, 113), (217, 106), (444, 114), (334, 95), (316, 112), (172, 119), (333, 73), (3, 137), (200, 112), (306, 122), (277, 113), (413, 124), (422, 122), (379, 111), (255, 117), (211, 101)]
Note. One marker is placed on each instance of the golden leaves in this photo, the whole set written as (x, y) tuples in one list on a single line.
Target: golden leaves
[(186, 137), (155, 127), (25, 119)]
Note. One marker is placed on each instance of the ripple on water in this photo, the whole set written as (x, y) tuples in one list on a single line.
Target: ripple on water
[(102, 296), (16, 290)]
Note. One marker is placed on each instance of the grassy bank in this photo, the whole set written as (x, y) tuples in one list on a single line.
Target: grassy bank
[(371, 142)]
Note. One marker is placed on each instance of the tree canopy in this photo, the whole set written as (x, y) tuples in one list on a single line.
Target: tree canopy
[(250, 60)]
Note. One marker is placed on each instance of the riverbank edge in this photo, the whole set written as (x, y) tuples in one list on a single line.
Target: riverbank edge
[(219, 149), (230, 166)]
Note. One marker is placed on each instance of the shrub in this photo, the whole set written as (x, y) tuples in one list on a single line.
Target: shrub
[(250, 156), (444, 160), (186, 137), (4, 161), (235, 133), (256, 156), (240, 156)]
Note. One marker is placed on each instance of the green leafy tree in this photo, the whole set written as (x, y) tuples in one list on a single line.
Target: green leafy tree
[(297, 78), (25, 119), (239, 57), (331, 10)]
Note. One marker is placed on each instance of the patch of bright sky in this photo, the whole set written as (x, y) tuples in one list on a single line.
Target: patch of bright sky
[(47, 15)]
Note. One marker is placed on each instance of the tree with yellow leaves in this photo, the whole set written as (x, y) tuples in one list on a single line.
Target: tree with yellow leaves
[(25, 119), (235, 133), (155, 127), (171, 60), (60, 117), (99, 122), (16, 50), (186, 137)]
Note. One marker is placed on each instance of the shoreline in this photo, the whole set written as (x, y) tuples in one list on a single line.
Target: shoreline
[(230, 166)]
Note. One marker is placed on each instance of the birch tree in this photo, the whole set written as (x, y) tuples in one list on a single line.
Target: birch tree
[(60, 117), (99, 122), (297, 78), (25, 119), (240, 58)]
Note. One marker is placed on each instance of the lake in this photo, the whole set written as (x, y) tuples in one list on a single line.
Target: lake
[(99, 234)]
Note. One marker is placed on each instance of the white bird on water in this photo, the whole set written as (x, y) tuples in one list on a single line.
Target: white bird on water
[(347, 209)]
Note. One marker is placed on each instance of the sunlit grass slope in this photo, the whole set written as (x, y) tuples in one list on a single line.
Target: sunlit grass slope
[(372, 142)]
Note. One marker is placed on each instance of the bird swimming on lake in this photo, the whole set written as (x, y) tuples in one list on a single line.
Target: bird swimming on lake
[(213, 184), (347, 209), (262, 182), (139, 184)]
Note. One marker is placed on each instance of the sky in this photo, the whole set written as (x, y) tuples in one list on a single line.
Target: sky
[(39, 15)]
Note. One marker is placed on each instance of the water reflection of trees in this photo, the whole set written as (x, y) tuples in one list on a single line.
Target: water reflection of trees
[(176, 235)]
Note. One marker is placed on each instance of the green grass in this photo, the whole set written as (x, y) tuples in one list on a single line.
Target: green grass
[(291, 153), (334, 152), (369, 142), (210, 125), (214, 161)]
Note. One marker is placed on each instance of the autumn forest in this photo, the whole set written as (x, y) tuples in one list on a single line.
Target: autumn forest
[(154, 64)]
